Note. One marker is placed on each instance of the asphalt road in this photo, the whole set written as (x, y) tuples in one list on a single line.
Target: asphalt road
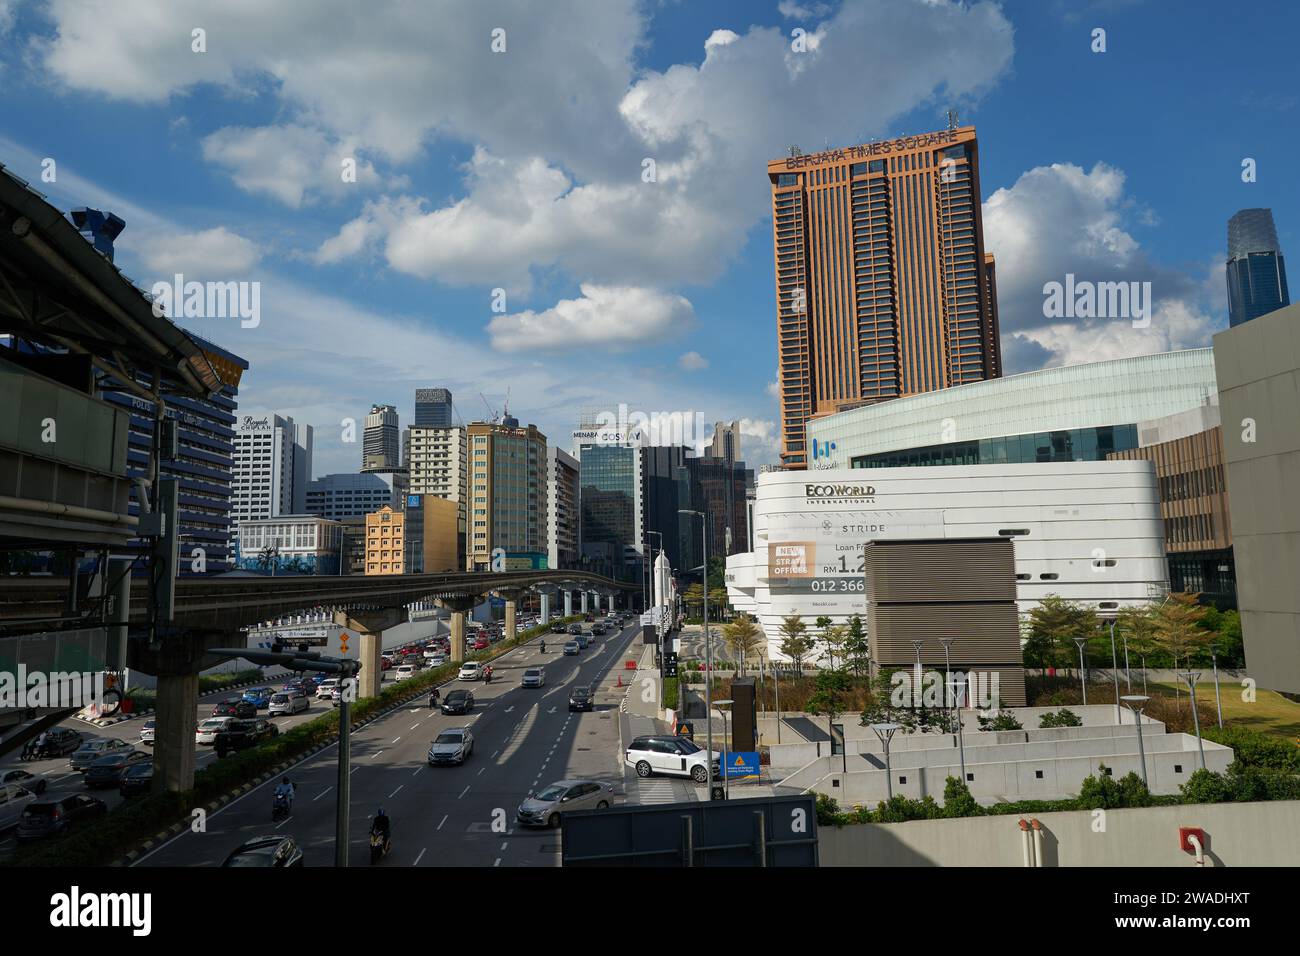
[(446, 816)]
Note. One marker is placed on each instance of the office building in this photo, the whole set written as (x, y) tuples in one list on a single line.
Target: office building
[(1256, 270), (1258, 365), (718, 488), (386, 541), (612, 531), (435, 537), (726, 441), (437, 465), (353, 496), (1089, 531), (291, 544), (272, 467), (563, 514), (507, 495), (666, 484), (204, 466), (883, 285), (379, 449), (433, 408)]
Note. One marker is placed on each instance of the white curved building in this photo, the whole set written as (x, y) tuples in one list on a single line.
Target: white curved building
[(1089, 531)]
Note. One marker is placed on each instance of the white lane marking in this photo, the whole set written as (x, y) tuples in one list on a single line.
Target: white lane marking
[(444, 820), (394, 793), (498, 862), (283, 822), (413, 726), (494, 754), (376, 753), (480, 771), (510, 708), (462, 793), (321, 794), (419, 858), (353, 770), (396, 739), (504, 846), (417, 770), (551, 711)]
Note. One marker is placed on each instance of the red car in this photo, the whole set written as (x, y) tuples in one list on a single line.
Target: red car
[(481, 643)]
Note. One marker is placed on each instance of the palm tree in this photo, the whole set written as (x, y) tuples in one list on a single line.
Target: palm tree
[(743, 636)]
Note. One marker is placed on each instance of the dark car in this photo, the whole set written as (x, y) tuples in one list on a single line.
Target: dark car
[(575, 628), (235, 707), (269, 851), (458, 702), (107, 770), (60, 741), (242, 734), (558, 627), (136, 779), (598, 629), (58, 816), (580, 699)]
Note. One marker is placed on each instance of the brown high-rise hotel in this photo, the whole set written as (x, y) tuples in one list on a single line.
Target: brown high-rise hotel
[(883, 288)]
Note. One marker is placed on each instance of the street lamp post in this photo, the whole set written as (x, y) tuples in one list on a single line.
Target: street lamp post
[(959, 696), (1083, 675), (1114, 668), (1192, 677), (726, 742), (1128, 674), (916, 684), (1135, 703), (947, 643), (1214, 660), (884, 732), (708, 638)]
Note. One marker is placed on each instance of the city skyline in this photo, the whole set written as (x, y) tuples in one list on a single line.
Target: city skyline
[(661, 313)]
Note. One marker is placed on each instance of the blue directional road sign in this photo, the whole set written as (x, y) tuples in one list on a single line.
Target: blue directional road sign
[(740, 763)]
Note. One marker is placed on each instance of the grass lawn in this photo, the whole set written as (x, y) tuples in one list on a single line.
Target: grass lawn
[(1270, 713)]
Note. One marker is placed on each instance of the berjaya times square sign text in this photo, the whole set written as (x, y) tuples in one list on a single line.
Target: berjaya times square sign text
[(902, 144)]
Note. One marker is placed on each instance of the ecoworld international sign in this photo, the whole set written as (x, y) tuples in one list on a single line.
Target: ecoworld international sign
[(839, 494)]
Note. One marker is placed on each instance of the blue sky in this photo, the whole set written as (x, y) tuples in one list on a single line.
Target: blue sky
[(522, 170)]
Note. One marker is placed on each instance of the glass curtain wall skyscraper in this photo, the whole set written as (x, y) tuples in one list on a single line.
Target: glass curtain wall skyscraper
[(1256, 270), (883, 285), (433, 408)]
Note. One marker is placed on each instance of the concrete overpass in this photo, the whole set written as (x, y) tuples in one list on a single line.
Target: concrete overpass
[(211, 612)]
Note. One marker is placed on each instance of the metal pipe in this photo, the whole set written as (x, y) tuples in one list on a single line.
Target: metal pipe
[(71, 511), (1026, 850), (1038, 841)]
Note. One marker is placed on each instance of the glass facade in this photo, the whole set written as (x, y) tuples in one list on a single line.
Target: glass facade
[(609, 480), (1073, 444)]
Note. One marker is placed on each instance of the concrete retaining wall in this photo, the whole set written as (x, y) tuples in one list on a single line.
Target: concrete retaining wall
[(1237, 834)]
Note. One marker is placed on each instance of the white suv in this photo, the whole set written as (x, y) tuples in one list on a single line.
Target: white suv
[(326, 687), (405, 671), (674, 756)]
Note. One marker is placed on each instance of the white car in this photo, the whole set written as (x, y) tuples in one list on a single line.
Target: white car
[(13, 801), (147, 732), (471, 671), (288, 703), (326, 687), (436, 659), (405, 671), (208, 730), (533, 677), (673, 756)]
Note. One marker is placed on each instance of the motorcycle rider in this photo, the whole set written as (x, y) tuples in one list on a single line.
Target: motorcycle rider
[(543, 645), (286, 790), (434, 697), (487, 674), (383, 826)]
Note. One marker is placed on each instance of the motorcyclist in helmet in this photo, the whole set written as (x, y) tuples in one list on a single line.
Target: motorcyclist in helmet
[(286, 789), (383, 826)]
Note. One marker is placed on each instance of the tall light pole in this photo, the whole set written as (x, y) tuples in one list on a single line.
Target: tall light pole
[(916, 684), (653, 581), (726, 742), (1128, 674), (1192, 677), (1214, 660), (708, 639), (1114, 669), (1083, 676), (1135, 703), (959, 696), (947, 643), (884, 732)]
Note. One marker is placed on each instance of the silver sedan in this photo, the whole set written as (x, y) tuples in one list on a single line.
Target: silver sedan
[(544, 808)]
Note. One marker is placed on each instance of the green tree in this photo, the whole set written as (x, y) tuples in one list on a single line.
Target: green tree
[(743, 637), (957, 800), (1176, 624), (856, 647), (693, 597), (795, 642), (1053, 625)]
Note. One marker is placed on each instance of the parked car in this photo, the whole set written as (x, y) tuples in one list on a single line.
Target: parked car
[(288, 702), (55, 817), (452, 745), (235, 707), (242, 734), (259, 697), (34, 782), (326, 687), (533, 677), (580, 699), (544, 808), (470, 670), (107, 770), (60, 741), (206, 732), (269, 851), (136, 779), (405, 671), (147, 732), (675, 756), (92, 750), (571, 649), (458, 702), (13, 801)]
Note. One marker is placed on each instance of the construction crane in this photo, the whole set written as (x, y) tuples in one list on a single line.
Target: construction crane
[(493, 414)]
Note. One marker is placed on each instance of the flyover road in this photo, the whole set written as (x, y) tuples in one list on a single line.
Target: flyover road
[(446, 816)]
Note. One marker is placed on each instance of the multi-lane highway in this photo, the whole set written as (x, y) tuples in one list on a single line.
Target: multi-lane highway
[(448, 815)]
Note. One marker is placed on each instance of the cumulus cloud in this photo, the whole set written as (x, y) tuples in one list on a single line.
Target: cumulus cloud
[(692, 362), (613, 316), (760, 441), (211, 254), (1062, 220), (286, 162), (792, 10)]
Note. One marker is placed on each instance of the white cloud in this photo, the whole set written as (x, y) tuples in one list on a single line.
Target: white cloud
[(214, 253), (286, 162), (760, 441), (792, 10), (613, 316), (693, 362), (1061, 219)]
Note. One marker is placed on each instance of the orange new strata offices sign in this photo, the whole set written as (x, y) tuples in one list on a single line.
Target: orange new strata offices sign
[(791, 559)]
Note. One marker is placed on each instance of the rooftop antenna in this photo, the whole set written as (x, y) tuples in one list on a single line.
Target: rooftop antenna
[(795, 151)]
